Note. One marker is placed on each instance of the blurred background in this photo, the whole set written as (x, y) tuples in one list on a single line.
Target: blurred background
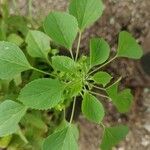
[(130, 15)]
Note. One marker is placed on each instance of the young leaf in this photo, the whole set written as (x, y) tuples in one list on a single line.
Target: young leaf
[(99, 51), (10, 115), (122, 100), (102, 78), (112, 136), (42, 94), (92, 108), (74, 88), (38, 44), (62, 28), (128, 47), (12, 60), (16, 39), (86, 11), (4, 141), (64, 139), (64, 63)]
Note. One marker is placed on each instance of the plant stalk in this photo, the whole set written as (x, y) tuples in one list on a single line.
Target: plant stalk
[(78, 46), (73, 110)]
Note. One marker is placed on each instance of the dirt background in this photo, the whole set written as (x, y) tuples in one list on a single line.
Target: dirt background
[(133, 16)]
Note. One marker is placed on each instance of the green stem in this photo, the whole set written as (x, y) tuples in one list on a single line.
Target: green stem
[(78, 46), (101, 95), (103, 126), (102, 65), (73, 110), (22, 136), (47, 60), (71, 53), (30, 9), (119, 79), (15, 6), (41, 71), (98, 87)]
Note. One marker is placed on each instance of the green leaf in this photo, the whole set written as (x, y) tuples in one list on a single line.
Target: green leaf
[(17, 23), (86, 11), (92, 109), (35, 121), (64, 139), (4, 141), (99, 51), (102, 78), (73, 89), (16, 39), (38, 44), (128, 47), (10, 115), (64, 63), (62, 28), (122, 100), (112, 136), (12, 60), (42, 94)]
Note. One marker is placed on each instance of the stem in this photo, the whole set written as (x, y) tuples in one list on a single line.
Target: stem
[(70, 50), (30, 9), (102, 125), (103, 65), (47, 60), (22, 136), (114, 82), (73, 109), (98, 87), (101, 95), (64, 114), (15, 6), (78, 46), (41, 71)]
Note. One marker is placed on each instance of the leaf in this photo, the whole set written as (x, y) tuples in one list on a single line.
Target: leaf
[(42, 94), (62, 28), (99, 51), (122, 100), (64, 139), (38, 44), (12, 60), (86, 11), (64, 64), (35, 121), (92, 109), (74, 88), (17, 23), (16, 39), (102, 78), (10, 115), (128, 47), (112, 136), (4, 141)]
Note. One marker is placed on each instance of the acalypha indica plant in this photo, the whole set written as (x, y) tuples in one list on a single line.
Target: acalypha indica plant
[(60, 85)]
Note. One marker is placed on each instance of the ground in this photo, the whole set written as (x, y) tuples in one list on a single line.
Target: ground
[(134, 16)]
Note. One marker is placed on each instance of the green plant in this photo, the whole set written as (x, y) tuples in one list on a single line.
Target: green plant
[(55, 81)]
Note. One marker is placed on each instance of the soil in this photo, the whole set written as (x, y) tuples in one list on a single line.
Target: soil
[(133, 16)]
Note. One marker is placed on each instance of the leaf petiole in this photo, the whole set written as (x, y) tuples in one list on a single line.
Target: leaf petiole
[(73, 110), (78, 46), (41, 71), (102, 65), (100, 95)]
